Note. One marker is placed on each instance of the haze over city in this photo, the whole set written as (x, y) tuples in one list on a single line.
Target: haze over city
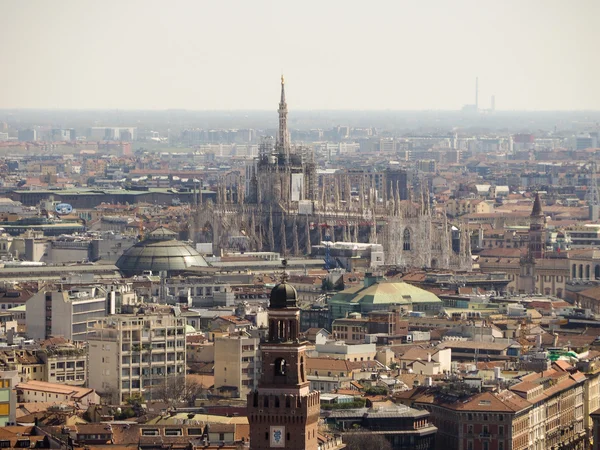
[(398, 55), (301, 225)]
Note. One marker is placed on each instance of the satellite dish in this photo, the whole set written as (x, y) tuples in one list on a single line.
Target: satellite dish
[(63, 208)]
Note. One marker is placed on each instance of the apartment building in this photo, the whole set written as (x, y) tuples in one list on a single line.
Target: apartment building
[(557, 413), (25, 362), (65, 362), (134, 353), (237, 363), (55, 360), (544, 410), (591, 390), (460, 207), (197, 291), (8, 397), (57, 312), (356, 328), (481, 421)]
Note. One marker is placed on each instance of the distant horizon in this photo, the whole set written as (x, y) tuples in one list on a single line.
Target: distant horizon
[(292, 110)]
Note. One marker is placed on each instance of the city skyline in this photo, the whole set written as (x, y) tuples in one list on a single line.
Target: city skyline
[(338, 56)]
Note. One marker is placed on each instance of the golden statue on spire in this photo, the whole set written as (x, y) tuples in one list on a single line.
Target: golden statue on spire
[(282, 80)]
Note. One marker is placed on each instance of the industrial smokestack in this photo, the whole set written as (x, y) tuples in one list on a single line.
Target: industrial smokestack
[(493, 105)]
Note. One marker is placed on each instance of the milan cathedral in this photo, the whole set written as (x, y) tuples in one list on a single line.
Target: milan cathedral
[(283, 206)]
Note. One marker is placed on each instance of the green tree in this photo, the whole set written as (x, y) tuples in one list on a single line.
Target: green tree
[(326, 285)]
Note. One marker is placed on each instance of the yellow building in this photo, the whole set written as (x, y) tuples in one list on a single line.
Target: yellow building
[(237, 363)]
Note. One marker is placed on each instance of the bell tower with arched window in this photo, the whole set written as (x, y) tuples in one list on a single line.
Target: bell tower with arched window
[(283, 412)]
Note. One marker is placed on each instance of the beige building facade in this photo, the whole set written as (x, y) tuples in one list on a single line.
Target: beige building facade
[(133, 354), (237, 363)]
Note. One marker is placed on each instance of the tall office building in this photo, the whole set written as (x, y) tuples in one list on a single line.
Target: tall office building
[(57, 312), (237, 363)]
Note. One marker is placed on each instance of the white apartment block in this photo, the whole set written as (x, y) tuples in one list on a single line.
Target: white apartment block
[(64, 313), (129, 354), (199, 290)]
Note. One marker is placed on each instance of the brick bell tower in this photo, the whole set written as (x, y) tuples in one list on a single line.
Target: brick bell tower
[(283, 412)]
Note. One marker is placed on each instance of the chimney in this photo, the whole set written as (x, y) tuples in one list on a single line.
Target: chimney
[(497, 372), (428, 357), (555, 342)]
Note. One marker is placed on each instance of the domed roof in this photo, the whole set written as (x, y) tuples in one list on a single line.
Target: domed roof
[(283, 296), (160, 251)]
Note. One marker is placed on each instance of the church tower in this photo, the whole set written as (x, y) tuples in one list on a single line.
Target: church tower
[(537, 230), (283, 412)]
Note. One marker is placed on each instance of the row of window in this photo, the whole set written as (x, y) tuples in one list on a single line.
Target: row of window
[(78, 377), (69, 365)]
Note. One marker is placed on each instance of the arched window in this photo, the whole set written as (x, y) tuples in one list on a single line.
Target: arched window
[(280, 367), (597, 271), (574, 271), (406, 240), (581, 271), (587, 272), (302, 373)]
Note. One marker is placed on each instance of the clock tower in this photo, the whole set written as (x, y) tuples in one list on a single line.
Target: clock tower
[(283, 412)]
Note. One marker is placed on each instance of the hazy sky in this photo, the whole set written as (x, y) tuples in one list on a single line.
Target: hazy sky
[(335, 54)]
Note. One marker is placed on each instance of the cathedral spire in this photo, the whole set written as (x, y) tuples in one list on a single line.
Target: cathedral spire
[(283, 140), (537, 206)]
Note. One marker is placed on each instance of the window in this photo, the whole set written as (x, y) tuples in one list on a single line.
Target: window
[(173, 432), (280, 367), (406, 240), (150, 432)]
